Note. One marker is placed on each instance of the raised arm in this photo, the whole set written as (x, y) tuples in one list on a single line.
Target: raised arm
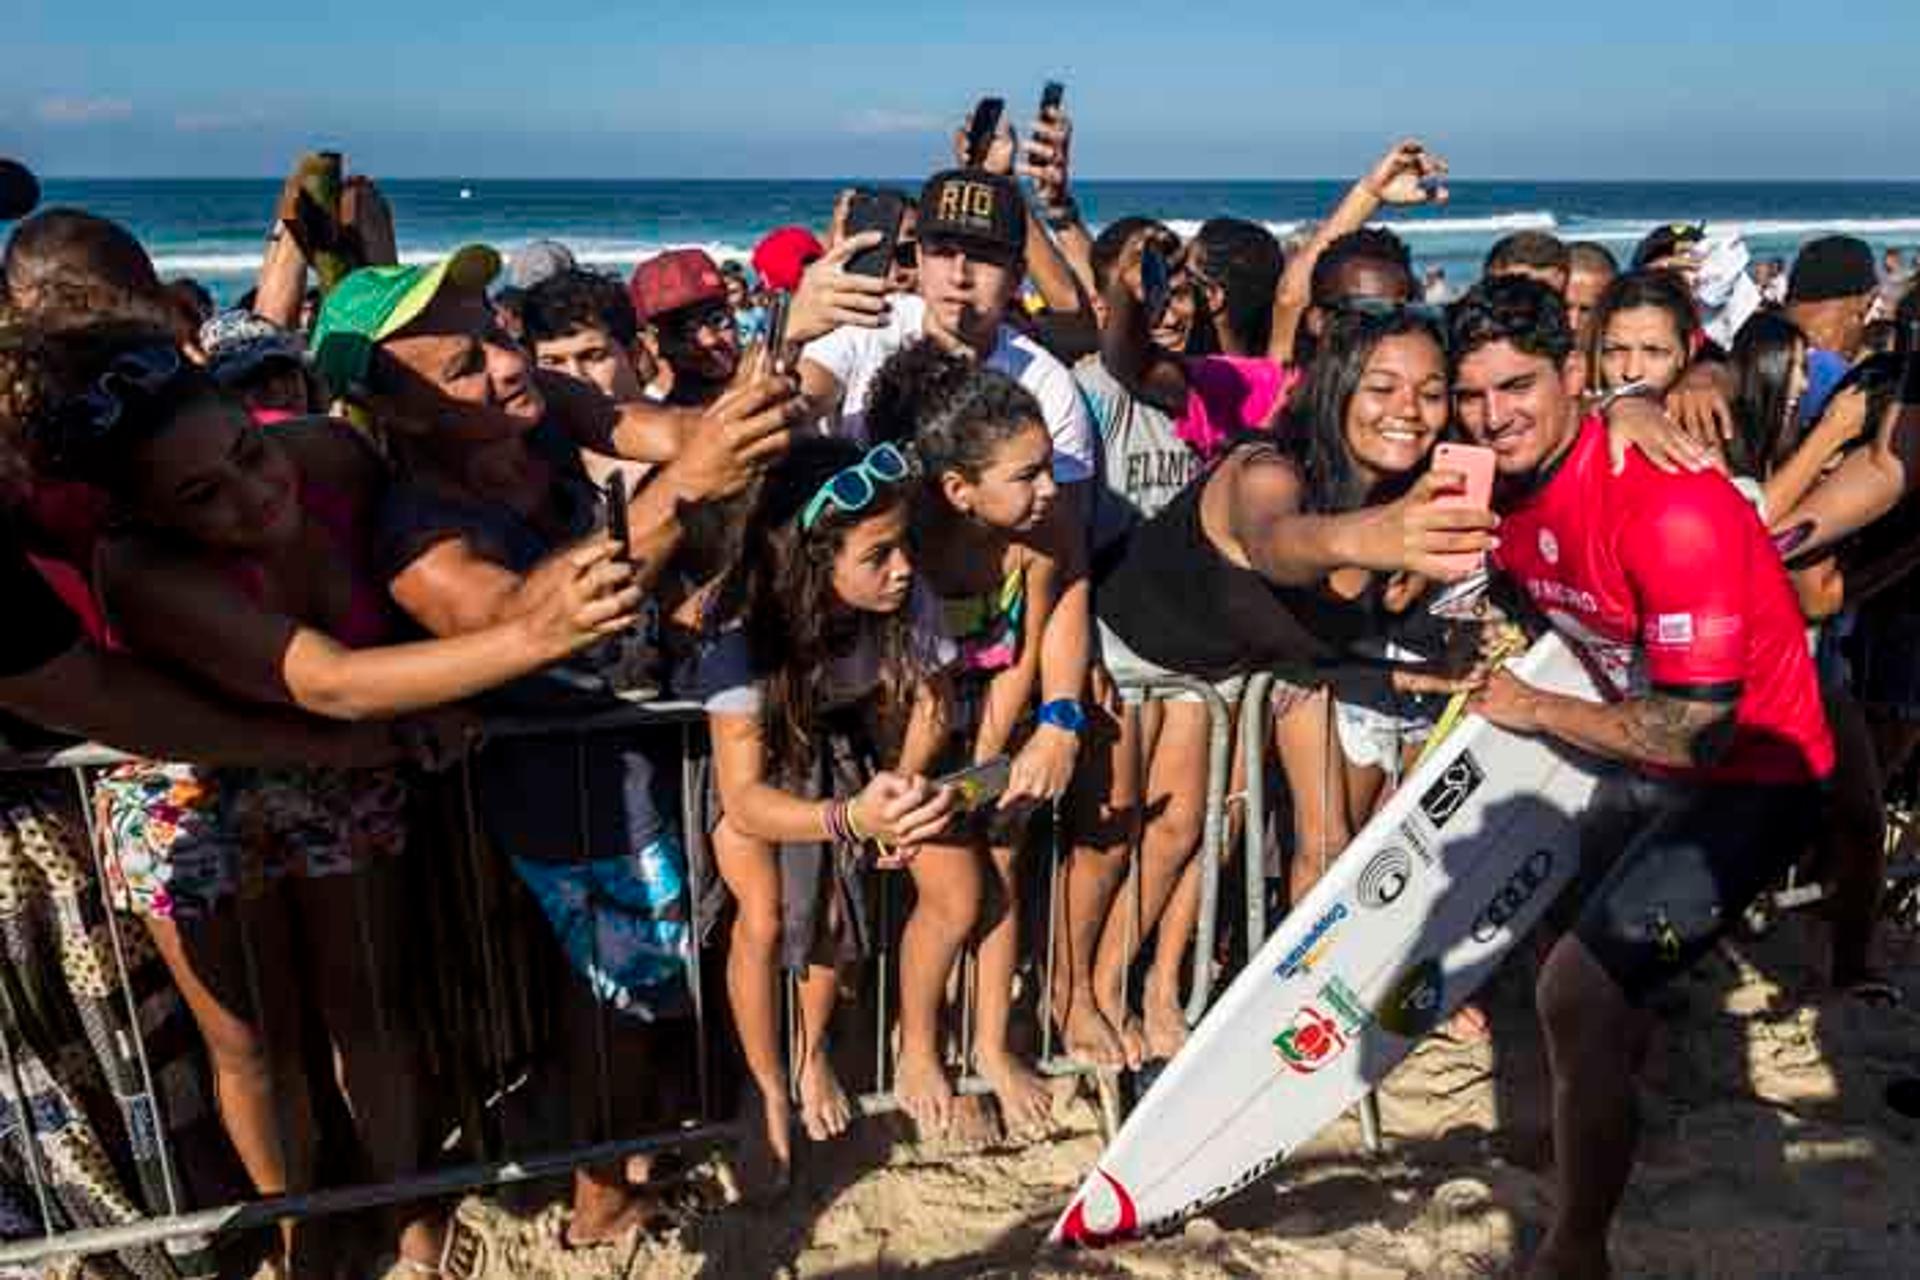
[(1292, 548), (1046, 162), (1126, 340), (1860, 490), (1408, 174)]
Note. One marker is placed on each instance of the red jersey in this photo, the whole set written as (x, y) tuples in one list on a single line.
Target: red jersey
[(1669, 582)]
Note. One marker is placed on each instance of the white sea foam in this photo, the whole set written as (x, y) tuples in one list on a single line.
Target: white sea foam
[(193, 260)]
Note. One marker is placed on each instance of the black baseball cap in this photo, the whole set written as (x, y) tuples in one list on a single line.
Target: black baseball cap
[(1832, 267), (974, 205), (1664, 242)]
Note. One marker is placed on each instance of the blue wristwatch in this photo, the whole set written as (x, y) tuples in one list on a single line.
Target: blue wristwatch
[(1062, 713)]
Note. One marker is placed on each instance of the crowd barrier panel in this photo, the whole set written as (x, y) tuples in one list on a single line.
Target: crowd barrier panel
[(185, 1231)]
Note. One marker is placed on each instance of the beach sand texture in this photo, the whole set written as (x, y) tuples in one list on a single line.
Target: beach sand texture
[(1767, 1152)]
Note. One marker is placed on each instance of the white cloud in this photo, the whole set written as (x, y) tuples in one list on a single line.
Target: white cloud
[(878, 120), (81, 110)]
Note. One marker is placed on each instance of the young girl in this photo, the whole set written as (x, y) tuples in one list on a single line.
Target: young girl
[(238, 555), (822, 652), (988, 545), (1644, 330)]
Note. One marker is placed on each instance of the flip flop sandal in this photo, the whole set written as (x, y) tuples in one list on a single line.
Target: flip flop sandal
[(1877, 993)]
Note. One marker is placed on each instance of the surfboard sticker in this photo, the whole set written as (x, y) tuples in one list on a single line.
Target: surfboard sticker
[(1413, 917)]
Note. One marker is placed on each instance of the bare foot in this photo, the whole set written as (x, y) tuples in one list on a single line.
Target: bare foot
[(1166, 1025), (1468, 1025), (924, 1092), (824, 1109), (1026, 1103), (1088, 1037)]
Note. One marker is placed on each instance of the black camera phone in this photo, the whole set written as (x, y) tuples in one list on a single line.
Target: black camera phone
[(617, 514), (1050, 98), (882, 211), (980, 130)]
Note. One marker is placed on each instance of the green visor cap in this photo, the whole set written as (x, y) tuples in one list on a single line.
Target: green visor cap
[(374, 303)]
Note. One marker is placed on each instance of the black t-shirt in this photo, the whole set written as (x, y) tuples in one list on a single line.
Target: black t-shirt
[(39, 626)]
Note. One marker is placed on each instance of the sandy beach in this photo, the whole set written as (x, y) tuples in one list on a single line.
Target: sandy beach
[(1767, 1152)]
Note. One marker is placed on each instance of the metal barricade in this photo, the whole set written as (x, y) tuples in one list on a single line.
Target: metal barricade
[(174, 1222)]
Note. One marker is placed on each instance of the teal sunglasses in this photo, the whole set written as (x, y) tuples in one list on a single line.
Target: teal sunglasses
[(855, 488)]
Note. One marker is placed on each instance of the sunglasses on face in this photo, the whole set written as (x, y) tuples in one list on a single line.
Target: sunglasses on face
[(855, 488), (716, 316)]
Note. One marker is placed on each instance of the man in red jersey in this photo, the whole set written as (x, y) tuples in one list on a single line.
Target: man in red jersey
[(1671, 588)]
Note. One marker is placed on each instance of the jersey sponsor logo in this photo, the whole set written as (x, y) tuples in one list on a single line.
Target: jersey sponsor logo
[(1548, 591), (1310, 949), (1320, 1031), (1384, 878), (1122, 1224), (1670, 628), (1444, 798), (1514, 894), (1412, 1006), (1549, 547)]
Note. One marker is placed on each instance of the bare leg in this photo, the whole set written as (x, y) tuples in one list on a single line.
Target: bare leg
[(1106, 822), (1316, 779), (1174, 808), (1596, 1042), (824, 1109), (1025, 1103), (605, 1207), (259, 1080), (753, 966), (359, 982), (946, 881)]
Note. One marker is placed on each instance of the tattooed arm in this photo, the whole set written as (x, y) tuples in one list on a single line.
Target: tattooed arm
[(1660, 728)]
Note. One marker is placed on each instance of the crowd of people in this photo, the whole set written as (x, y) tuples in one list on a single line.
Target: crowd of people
[(886, 525)]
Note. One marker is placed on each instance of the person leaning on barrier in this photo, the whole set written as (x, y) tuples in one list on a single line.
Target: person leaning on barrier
[(492, 493)]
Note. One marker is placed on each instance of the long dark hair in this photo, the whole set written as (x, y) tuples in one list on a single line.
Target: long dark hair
[(48, 377), (1762, 361), (1664, 290), (1317, 413), (780, 591), (951, 410)]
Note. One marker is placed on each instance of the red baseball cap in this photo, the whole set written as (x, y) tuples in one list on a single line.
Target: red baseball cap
[(672, 280), (783, 255)]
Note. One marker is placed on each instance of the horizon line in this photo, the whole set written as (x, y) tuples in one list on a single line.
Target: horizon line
[(524, 178)]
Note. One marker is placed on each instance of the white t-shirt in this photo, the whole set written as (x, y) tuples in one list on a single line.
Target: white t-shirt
[(854, 355)]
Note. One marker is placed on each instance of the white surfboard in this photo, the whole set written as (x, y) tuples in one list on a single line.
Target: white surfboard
[(1414, 916)]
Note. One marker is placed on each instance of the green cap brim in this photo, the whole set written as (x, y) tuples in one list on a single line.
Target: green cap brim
[(374, 303)]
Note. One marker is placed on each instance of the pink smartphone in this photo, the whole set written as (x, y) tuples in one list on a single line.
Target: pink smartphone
[(1475, 463)]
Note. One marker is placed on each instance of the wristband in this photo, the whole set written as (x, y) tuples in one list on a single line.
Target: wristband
[(1062, 713), (853, 825), (835, 817)]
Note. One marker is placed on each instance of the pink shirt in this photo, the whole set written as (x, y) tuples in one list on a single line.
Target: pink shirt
[(1228, 393)]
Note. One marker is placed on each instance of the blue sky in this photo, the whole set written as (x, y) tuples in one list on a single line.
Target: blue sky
[(1217, 88)]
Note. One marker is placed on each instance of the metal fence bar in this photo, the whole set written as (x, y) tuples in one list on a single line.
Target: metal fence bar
[(154, 1116), (315, 1204)]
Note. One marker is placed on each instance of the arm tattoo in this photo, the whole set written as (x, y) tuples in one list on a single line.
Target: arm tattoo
[(1679, 731)]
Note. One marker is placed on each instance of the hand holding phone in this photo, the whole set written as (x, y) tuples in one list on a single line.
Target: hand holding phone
[(1475, 463), (980, 130), (882, 211), (978, 786), (1050, 98)]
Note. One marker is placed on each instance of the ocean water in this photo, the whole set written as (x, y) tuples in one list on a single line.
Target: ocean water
[(212, 229)]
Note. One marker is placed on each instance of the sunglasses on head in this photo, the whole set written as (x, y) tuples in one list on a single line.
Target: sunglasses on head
[(1387, 309), (854, 488)]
